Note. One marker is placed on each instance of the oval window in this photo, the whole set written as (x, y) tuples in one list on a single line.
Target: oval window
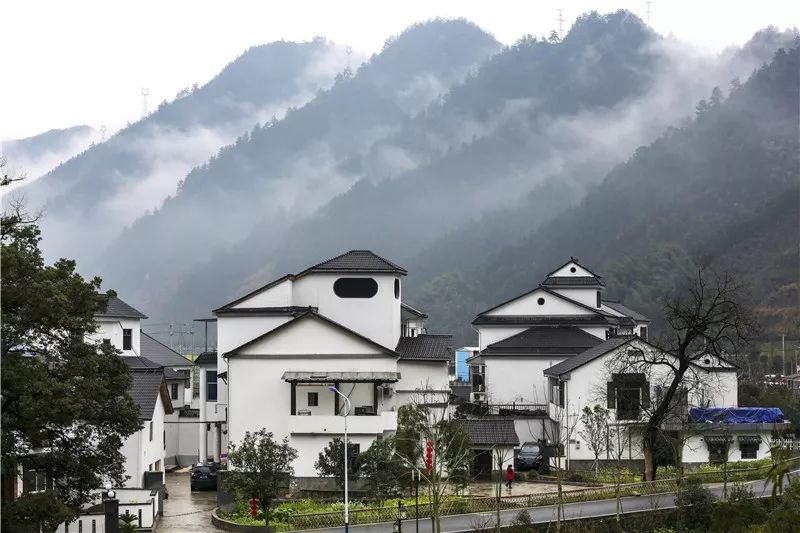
[(540, 301), (355, 287), (397, 288)]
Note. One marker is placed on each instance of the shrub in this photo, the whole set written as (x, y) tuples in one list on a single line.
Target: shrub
[(740, 511), (522, 522), (785, 518), (694, 502)]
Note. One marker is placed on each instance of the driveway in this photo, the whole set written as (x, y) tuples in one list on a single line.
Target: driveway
[(186, 511)]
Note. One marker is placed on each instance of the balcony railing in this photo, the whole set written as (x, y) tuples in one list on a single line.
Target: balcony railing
[(526, 410)]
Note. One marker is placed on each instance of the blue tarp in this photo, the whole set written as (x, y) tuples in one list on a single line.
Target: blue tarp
[(736, 415)]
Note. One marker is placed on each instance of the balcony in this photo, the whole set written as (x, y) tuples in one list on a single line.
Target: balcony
[(334, 425)]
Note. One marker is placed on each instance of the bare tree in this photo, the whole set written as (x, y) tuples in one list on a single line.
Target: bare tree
[(707, 319), (425, 424), (560, 433), (595, 431)]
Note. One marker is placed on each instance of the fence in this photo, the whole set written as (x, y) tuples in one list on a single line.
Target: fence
[(142, 503), (786, 444), (86, 523), (452, 505)]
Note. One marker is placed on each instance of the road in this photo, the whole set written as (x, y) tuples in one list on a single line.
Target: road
[(544, 514), (186, 511)]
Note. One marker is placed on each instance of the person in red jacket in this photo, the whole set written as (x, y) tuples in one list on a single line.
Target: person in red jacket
[(509, 476)]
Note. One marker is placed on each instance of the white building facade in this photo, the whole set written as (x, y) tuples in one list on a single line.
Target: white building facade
[(340, 323)]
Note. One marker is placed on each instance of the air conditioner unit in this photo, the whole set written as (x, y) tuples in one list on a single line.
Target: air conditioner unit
[(479, 397)]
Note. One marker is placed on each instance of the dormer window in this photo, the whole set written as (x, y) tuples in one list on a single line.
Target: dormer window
[(127, 339), (356, 287)]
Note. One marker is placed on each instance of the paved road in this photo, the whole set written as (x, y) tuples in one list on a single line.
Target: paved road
[(544, 514), (186, 511)]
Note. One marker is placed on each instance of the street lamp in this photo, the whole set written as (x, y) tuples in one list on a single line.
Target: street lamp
[(346, 504)]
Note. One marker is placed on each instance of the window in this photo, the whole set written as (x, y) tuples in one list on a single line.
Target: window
[(355, 287), (211, 385), (127, 339), (749, 450), (628, 402), (397, 289), (557, 389), (34, 480), (107, 343), (151, 430), (643, 332), (573, 269), (313, 399), (540, 301), (718, 448), (164, 436), (174, 391), (599, 300)]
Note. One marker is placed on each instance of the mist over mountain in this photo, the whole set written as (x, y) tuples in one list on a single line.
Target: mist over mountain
[(97, 193), (281, 172), (41, 153), (718, 191)]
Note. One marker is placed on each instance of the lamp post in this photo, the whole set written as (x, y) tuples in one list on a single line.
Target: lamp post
[(346, 465)]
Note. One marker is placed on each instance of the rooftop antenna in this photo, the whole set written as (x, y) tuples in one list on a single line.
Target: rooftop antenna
[(145, 94), (560, 20)]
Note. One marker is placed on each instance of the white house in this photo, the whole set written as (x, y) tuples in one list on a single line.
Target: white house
[(546, 354), (340, 323)]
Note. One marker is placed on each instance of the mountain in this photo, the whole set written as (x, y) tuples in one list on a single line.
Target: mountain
[(281, 172), (41, 153), (506, 150), (98, 192), (720, 190)]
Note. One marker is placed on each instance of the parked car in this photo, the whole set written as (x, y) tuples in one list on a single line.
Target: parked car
[(204, 477), (529, 457)]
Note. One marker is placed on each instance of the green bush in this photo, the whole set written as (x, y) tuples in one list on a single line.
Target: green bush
[(694, 502), (785, 517), (740, 511)]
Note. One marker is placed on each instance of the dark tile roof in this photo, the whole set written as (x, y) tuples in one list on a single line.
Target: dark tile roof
[(160, 353), (144, 391), (116, 308), (292, 310), (627, 311), (356, 261), (491, 431), (426, 347), (206, 358), (573, 281), (409, 313), (589, 355), (544, 340), (138, 363), (545, 320), (173, 375), (575, 261)]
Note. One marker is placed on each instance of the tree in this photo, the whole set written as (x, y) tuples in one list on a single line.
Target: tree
[(553, 38), (595, 431), (331, 462), (260, 468), (381, 469), (65, 404), (451, 457), (707, 319)]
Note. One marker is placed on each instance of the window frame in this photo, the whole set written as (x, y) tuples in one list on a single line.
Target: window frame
[(173, 391), (749, 448), (127, 338), (151, 431), (211, 385), (315, 396)]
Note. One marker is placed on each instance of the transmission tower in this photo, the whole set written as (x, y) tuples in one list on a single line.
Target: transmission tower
[(145, 94), (560, 21), (647, 12), (103, 131)]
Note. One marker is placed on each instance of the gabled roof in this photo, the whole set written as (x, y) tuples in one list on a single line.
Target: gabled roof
[(145, 389), (576, 262), (426, 347), (627, 311), (116, 308), (311, 315), (357, 261), (573, 281), (140, 363), (206, 358), (291, 310), (490, 431), (354, 261), (589, 355), (544, 340), (409, 313), (161, 353), (550, 292), (545, 320)]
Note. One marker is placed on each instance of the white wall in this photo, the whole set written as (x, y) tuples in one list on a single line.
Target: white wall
[(422, 375), (140, 452), (529, 305), (279, 295), (518, 379), (565, 271), (587, 296), (111, 328), (695, 449), (377, 318), (490, 334)]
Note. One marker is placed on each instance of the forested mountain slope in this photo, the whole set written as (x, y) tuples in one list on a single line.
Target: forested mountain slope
[(95, 194), (720, 190), (283, 171)]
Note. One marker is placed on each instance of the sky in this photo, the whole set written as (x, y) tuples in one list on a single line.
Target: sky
[(86, 61)]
